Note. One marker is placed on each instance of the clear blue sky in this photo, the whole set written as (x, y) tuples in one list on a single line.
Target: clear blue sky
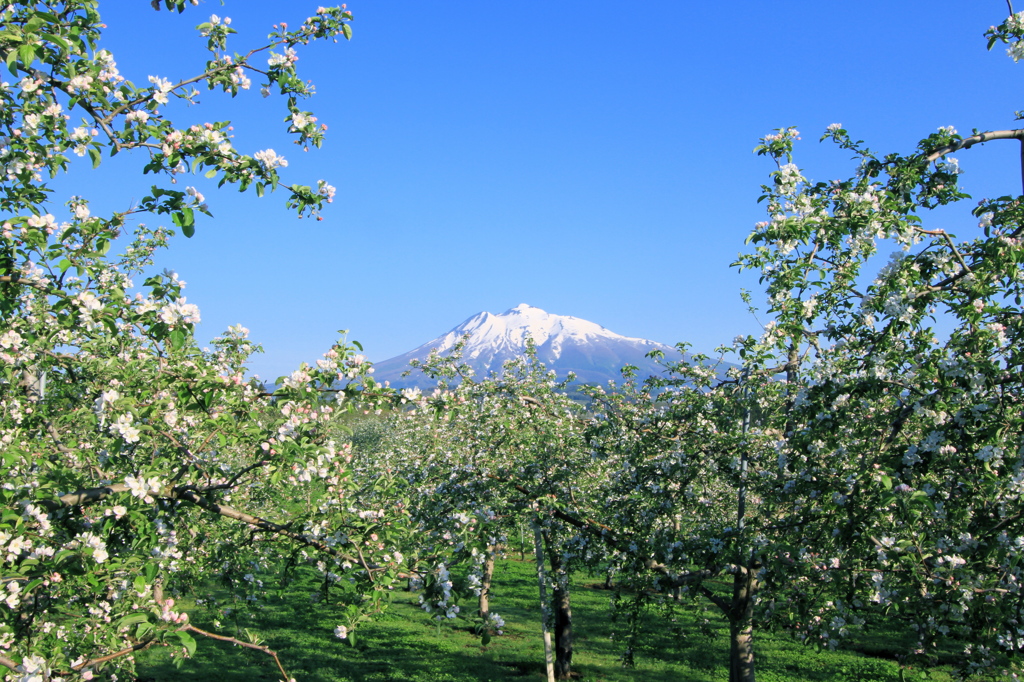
[(589, 158)]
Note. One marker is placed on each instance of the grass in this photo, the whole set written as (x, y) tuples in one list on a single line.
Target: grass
[(405, 646)]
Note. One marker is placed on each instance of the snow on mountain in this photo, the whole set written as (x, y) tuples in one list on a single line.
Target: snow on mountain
[(564, 344)]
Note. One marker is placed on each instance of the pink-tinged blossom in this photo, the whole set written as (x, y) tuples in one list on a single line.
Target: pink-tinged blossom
[(88, 302), (289, 57), (117, 511), (32, 669), (161, 87), (141, 488), (179, 311), (193, 192), (105, 400), (80, 82), (270, 159), (10, 339), (325, 190), (170, 616), (137, 116), (96, 544), (42, 221)]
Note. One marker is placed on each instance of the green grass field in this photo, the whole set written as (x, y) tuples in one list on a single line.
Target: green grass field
[(405, 646)]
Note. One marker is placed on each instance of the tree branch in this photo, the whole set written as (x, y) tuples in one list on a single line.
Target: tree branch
[(7, 279), (238, 642), (138, 646), (969, 142), (188, 494)]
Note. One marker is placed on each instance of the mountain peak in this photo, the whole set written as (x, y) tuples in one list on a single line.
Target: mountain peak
[(564, 344), (523, 308)]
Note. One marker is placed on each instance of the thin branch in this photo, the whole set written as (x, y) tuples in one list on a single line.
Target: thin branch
[(61, 448), (138, 646), (238, 642), (949, 240)]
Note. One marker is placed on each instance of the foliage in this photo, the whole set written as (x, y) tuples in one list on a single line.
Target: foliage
[(866, 459), (481, 460), (136, 464)]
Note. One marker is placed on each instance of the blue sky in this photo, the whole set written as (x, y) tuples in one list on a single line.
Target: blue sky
[(589, 158)]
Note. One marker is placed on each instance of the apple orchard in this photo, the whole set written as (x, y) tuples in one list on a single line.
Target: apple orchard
[(857, 462)]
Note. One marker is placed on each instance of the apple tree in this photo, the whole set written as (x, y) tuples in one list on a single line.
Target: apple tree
[(135, 463)]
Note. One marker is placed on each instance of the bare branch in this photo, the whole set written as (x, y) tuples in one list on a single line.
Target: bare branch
[(968, 142), (238, 642), (138, 646)]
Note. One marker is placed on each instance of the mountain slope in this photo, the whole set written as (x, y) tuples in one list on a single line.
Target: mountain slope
[(564, 344)]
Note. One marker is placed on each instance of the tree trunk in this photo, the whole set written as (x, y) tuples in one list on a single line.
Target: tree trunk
[(563, 628), (549, 663), (741, 626), (485, 583), (561, 611)]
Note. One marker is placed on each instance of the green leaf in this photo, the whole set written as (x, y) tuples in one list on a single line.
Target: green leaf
[(27, 55), (887, 482), (347, 30), (57, 40), (212, 173), (177, 339), (134, 618), (185, 218), (94, 154), (187, 641)]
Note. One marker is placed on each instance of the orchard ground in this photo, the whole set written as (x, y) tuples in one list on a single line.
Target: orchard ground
[(690, 645)]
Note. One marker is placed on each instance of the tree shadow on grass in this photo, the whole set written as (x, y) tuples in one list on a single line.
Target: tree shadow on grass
[(405, 645)]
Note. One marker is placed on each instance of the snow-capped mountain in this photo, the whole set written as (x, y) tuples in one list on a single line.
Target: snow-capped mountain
[(564, 344)]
